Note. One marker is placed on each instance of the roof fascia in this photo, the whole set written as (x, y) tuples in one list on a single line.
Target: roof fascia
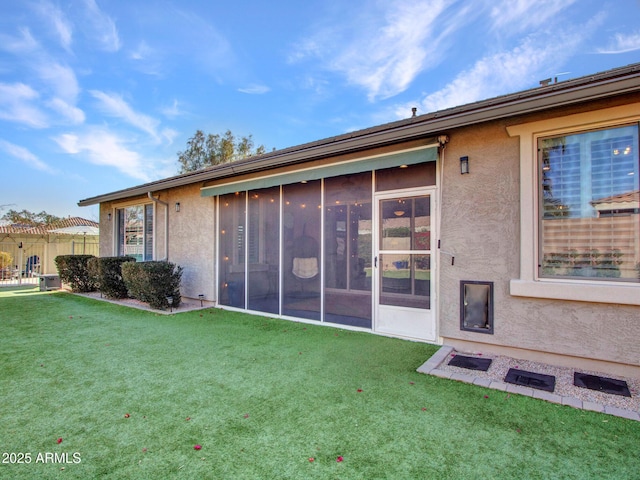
[(552, 96)]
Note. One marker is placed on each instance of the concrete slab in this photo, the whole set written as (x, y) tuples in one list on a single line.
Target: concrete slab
[(572, 402), (548, 396), (619, 412)]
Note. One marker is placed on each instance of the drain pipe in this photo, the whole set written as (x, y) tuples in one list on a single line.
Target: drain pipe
[(166, 225), (442, 141)]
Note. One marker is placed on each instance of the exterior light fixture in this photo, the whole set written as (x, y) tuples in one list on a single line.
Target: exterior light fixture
[(464, 165), (170, 302), (201, 297), (177, 206), (108, 217)]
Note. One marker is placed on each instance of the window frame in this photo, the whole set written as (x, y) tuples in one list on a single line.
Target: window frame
[(145, 242), (529, 284)]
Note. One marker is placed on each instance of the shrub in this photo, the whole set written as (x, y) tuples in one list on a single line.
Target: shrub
[(153, 282), (107, 275), (74, 271), (6, 264), (6, 260)]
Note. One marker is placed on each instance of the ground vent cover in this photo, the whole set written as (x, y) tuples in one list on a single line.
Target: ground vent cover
[(538, 381), (601, 384), (472, 363)]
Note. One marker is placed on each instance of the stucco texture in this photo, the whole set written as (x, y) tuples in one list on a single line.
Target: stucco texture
[(480, 227)]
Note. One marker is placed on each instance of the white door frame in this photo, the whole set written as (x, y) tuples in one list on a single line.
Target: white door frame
[(414, 323)]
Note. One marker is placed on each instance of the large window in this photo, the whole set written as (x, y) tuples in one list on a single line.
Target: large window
[(135, 231), (589, 205)]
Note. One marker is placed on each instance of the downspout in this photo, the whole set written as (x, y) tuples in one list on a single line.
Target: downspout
[(166, 225), (442, 140)]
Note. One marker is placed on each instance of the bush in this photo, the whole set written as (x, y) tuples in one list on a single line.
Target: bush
[(6, 265), (6, 260), (153, 282), (107, 275), (74, 271)]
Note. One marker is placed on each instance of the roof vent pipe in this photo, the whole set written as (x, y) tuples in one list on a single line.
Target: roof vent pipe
[(414, 111), (166, 226)]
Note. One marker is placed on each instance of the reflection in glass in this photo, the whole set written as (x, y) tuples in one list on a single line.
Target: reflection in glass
[(263, 244), (348, 250), (406, 224), (590, 205), (135, 232), (406, 280), (231, 254), (405, 243)]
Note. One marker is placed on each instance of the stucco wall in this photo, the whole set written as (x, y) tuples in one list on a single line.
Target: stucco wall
[(191, 235), (192, 240), (480, 226)]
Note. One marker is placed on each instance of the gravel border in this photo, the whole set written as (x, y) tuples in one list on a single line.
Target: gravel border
[(186, 305), (565, 392)]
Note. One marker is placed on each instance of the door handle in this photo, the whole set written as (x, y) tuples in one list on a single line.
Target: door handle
[(375, 262)]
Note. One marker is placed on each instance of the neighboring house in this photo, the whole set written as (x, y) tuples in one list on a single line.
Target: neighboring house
[(509, 225), (33, 249)]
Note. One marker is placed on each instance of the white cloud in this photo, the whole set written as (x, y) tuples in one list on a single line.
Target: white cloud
[(16, 105), (622, 43), (509, 71), (148, 60), (490, 76), (173, 110), (169, 135), (25, 155), (513, 16), (142, 51), (101, 27), (73, 114), (54, 85), (114, 105), (61, 26), (61, 79), (381, 51), (20, 45), (255, 89), (101, 147)]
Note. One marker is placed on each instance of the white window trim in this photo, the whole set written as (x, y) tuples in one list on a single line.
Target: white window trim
[(114, 215), (529, 284)]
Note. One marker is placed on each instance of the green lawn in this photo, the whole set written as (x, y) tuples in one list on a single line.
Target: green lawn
[(131, 393)]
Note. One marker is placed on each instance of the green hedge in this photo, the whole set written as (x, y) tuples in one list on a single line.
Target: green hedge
[(74, 271), (153, 282), (107, 274)]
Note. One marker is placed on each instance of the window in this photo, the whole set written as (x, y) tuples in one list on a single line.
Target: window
[(588, 194), (135, 232), (605, 193)]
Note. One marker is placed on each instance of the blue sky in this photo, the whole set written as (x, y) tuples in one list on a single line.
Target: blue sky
[(100, 95)]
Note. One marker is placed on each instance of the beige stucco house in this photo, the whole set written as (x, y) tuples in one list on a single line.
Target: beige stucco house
[(30, 250), (510, 225)]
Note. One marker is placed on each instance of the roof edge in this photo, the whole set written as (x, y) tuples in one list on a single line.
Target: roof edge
[(569, 92)]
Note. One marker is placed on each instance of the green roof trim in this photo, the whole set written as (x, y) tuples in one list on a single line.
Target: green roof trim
[(412, 157)]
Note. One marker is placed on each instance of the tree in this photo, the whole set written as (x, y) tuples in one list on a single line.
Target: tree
[(213, 149), (25, 217)]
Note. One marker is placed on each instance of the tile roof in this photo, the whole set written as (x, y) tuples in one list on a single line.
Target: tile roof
[(633, 197), (44, 229)]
